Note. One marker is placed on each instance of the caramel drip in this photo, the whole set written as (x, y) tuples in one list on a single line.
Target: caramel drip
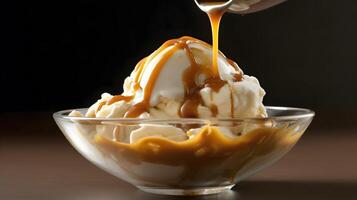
[(215, 19), (192, 97), (191, 74)]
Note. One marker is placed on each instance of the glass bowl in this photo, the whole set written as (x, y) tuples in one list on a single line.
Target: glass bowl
[(218, 154)]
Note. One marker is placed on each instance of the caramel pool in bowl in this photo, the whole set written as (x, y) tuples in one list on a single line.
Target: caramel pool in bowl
[(210, 162)]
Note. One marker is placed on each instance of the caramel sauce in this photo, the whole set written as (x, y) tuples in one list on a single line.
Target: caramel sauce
[(192, 90), (237, 77), (215, 16), (143, 106), (209, 157), (215, 83), (215, 19), (137, 110), (114, 99)]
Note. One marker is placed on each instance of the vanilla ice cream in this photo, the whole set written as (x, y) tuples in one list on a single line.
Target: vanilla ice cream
[(176, 81)]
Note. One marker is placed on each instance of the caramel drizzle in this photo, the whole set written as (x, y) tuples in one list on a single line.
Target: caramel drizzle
[(192, 90), (215, 16), (143, 106), (114, 99)]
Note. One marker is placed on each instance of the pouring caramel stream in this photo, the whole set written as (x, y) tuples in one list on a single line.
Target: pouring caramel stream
[(215, 19), (215, 14)]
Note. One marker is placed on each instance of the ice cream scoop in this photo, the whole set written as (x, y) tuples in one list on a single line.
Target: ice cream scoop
[(177, 81)]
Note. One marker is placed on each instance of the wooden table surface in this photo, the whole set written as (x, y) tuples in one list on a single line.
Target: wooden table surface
[(36, 162)]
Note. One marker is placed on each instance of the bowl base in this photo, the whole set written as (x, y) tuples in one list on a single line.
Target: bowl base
[(186, 192)]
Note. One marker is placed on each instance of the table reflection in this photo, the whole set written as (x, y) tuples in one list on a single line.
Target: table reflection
[(251, 190)]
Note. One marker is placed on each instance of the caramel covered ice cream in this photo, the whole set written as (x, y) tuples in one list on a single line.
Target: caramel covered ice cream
[(178, 81)]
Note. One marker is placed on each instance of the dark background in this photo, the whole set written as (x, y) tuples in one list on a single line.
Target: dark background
[(62, 55)]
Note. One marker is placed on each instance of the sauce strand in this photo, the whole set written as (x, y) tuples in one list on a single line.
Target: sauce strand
[(215, 19)]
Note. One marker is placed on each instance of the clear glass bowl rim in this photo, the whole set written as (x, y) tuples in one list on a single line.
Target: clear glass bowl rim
[(301, 113)]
